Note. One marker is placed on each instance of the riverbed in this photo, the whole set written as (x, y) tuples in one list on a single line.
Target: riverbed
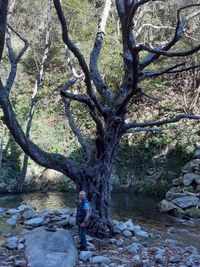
[(141, 209)]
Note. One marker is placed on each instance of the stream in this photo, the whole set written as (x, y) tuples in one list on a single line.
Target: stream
[(141, 209)]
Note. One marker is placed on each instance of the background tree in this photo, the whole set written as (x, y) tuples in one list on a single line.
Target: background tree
[(108, 108)]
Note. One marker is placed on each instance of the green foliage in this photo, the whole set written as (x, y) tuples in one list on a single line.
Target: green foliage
[(11, 158)]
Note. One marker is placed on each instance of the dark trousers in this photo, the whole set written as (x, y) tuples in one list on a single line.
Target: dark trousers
[(82, 234)]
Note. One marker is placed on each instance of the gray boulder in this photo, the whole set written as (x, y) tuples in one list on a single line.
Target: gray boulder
[(127, 233), (12, 242), (100, 260), (197, 154), (34, 222), (192, 166), (186, 202), (133, 248), (188, 178), (142, 234), (50, 249), (85, 255), (159, 259), (12, 221)]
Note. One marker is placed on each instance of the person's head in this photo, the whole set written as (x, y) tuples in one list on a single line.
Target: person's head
[(82, 195)]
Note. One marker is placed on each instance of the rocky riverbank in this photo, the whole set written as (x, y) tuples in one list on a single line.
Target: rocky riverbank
[(45, 237), (184, 197)]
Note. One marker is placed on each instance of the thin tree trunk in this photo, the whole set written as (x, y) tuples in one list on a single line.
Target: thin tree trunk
[(1, 150), (38, 81)]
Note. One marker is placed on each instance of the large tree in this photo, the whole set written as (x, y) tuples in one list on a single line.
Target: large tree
[(107, 107)]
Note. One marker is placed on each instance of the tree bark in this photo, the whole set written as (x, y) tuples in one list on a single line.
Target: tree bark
[(95, 179), (3, 17)]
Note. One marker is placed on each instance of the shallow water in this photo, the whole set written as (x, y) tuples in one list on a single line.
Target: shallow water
[(141, 209)]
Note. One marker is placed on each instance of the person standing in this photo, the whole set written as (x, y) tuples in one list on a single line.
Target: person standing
[(82, 217)]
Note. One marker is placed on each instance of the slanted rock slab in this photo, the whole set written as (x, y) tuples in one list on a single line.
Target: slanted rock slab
[(50, 249)]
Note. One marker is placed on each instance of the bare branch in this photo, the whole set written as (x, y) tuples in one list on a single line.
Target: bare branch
[(14, 58), (180, 28), (149, 96), (153, 73), (160, 123), (160, 52), (79, 98), (77, 54), (100, 85), (3, 18), (181, 70)]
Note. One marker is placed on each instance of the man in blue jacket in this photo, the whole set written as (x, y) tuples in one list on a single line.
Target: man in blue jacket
[(82, 216)]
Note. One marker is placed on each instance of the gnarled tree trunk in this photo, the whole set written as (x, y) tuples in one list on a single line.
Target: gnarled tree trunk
[(96, 179)]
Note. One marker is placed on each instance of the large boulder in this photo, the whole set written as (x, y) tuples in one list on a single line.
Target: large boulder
[(197, 154), (192, 166), (189, 178), (50, 249), (186, 202)]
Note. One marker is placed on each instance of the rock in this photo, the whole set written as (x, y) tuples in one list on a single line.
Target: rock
[(176, 182), (188, 178), (72, 221), (142, 234), (129, 223), (35, 222), (89, 238), (12, 221), (146, 263), (55, 249), (159, 259), (191, 249), (136, 258), (197, 154), (113, 241), (121, 227), (174, 192), (100, 260), (24, 208), (28, 214), (115, 222), (66, 211), (192, 166), (171, 242), (116, 230), (127, 233), (135, 229), (20, 246), (85, 255), (166, 206), (12, 242), (63, 223), (20, 263), (193, 212), (174, 259), (186, 202), (119, 242), (90, 246), (12, 211), (133, 248)]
